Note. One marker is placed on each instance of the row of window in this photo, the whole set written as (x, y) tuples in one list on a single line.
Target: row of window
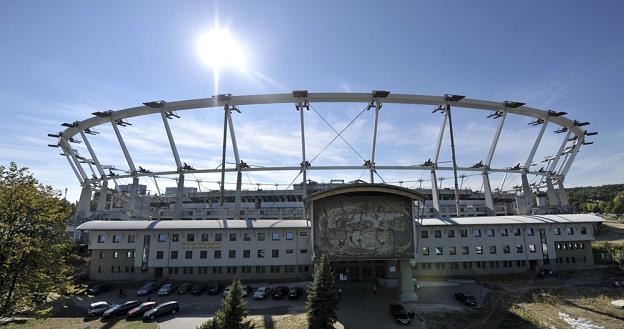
[(469, 265), (570, 246), (117, 254), (492, 232), (465, 250), (243, 269), (216, 254), (118, 269), (190, 237)]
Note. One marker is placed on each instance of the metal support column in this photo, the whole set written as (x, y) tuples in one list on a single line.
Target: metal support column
[(179, 196), (239, 176), (538, 140), (101, 204), (70, 151), (568, 163), (124, 149), (487, 189), (134, 191), (435, 196), (436, 157), (71, 164), (304, 163), (372, 169), (226, 109), (174, 149), (98, 166), (84, 204), (450, 121)]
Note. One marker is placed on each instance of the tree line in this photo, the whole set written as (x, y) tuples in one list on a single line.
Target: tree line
[(604, 199)]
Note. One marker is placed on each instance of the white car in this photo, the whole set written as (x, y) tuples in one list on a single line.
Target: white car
[(262, 293), (98, 308)]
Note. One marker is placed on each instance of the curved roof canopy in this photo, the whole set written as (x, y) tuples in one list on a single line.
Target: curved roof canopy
[(362, 188)]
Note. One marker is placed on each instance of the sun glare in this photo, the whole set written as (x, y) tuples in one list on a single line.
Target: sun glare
[(218, 49)]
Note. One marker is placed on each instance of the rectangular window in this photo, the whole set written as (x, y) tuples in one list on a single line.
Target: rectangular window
[(583, 230), (232, 236), (556, 231), (101, 238), (518, 248), (116, 238), (439, 251), (506, 249), (530, 231), (452, 250), (205, 236), (289, 251), (188, 254), (175, 237), (101, 254), (190, 237), (424, 234), (260, 236), (463, 233), (260, 253), (517, 232), (450, 233), (246, 253), (174, 254), (490, 232), (203, 254), (290, 236), (115, 254), (275, 236), (131, 238), (425, 251), (570, 230), (232, 254), (218, 237), (465, 250), (303, 251), (504, 232), (275, 253), (247, 236), (492, 249), (217, 270), (260, 269), (532, 248), (437, 234), (130, 254), (99, 269), (479, 250), (476, 232), (217, 254), (303, 233)]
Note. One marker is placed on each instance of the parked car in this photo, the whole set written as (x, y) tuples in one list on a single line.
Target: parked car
[(148, 288), (400, 314), (99, 288), (215, 288), (295, 293), (467, 300), (162, 309), (280, 292), (121, 309), (167, 289), (262, 293), (246, 290), (98, 308), (140, 310), (198, 289), (184, 288)]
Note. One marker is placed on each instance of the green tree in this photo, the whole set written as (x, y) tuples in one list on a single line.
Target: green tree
[(618, 204), (322, 297), (232, 314), (33, 245)]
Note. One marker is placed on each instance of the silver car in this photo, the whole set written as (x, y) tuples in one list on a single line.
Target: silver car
[(98, 308)]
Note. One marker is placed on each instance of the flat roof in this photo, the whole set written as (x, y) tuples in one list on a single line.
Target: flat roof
[(520, 219), (191, 224)]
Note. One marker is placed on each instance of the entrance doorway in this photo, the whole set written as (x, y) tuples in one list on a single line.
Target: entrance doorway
[(368, 270)]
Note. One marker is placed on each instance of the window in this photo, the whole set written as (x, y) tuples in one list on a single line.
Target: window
[(437, 234), (289, 251), (188, 254), (275, 253), (463, 233), (115, 254), (99, 269), (217, 254), (217, 270), (439, 251), (275, 236), (247, 236), (490, 232), (218, 236), (303, 233), (203, 254), (506, 249), (131, 238), (532, 248), (246, 253), (476, 232), (101, 254), (130, 254), (290, 236), (452, 250), (101, 238), (424, 234), (174, 254), (260, 253), (479, 250), (190, 237), (518, 248), (517, 232), (465, 250), (450, 233), (231, 269), (205, 236), (425, 251), (246, 269), (175, 237), (260, 269), (260, 236), (583, 230), (556, 231), (275, 268), (232, 254), (570, 230), (492, 249), (504, 232), (232, 236), (530, 231), (303, 251)]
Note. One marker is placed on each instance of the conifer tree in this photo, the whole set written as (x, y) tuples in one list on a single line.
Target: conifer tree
[(232, 314), (322, 297)]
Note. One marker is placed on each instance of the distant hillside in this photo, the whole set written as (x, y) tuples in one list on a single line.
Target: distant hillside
[(602, 199)]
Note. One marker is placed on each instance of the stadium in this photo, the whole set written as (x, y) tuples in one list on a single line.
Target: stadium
[(139, 225)]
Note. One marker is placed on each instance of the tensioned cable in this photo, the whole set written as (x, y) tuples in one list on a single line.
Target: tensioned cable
[(338, 134)]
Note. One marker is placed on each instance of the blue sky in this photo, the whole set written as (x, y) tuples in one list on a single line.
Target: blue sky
[(62, 60)]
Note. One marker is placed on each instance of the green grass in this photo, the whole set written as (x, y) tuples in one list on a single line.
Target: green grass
[(70, 323)]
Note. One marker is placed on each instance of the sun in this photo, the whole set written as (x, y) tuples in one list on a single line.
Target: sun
[(219, 49)]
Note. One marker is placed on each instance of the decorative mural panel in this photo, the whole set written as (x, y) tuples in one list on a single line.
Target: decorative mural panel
[(363, 227)]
